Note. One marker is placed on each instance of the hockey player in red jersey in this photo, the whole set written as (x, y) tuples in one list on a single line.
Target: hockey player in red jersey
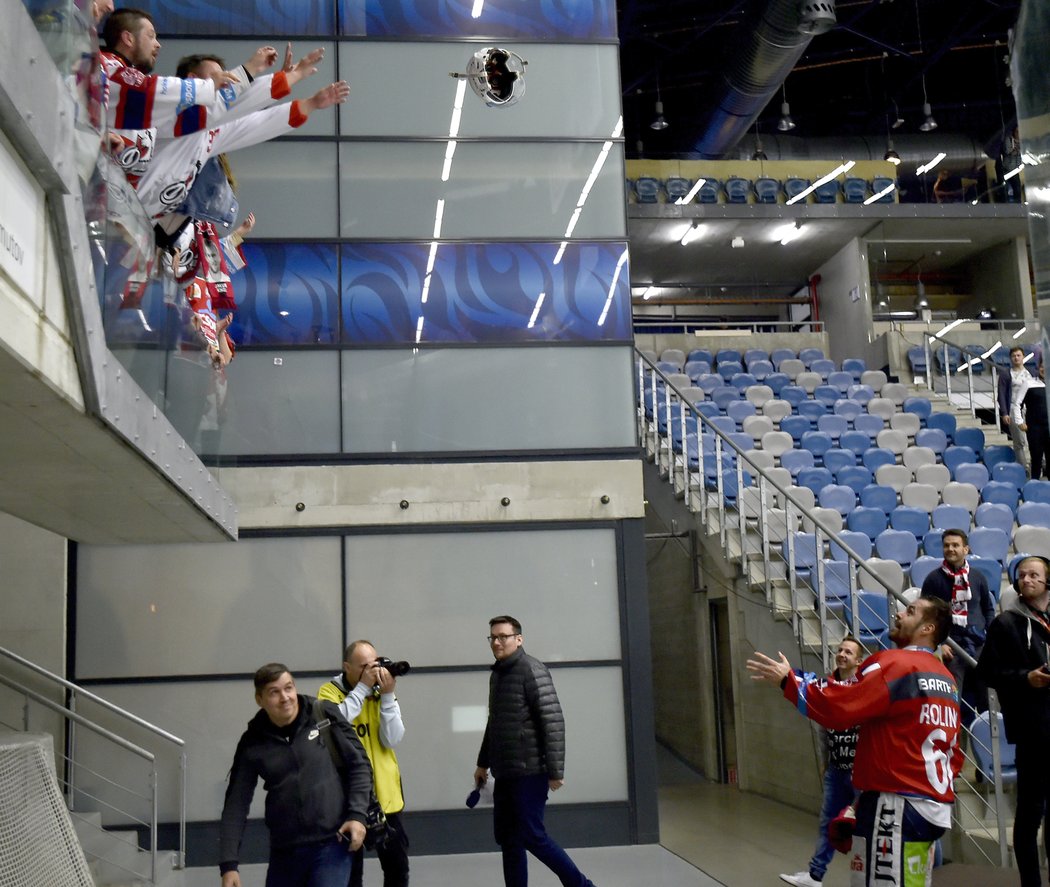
[(907, 706)]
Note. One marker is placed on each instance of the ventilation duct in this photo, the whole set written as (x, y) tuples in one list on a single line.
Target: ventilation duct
[(763, 60)]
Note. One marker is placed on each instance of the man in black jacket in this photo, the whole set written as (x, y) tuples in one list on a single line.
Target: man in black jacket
[(524, 746), (1014, 662), (314, 812)]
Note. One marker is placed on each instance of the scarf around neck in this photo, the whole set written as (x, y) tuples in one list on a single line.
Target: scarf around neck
[(960, 591)]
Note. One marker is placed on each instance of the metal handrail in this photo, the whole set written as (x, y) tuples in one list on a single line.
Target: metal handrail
[(69, 712)]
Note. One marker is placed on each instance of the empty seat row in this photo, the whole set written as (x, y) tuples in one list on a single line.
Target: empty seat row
[(764, 189)]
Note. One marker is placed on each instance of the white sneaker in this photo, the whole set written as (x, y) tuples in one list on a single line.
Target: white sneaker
[(801, 879)]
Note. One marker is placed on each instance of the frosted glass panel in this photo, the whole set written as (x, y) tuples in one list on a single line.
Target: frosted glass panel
[(207, 609), (209, 717), (289, 187), (279, 402), (234, 52), (440, 589), (470, 399), (588, 107), (495, 190), (440, 748)]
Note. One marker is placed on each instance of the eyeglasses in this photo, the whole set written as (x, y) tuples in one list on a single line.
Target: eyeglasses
[(502, 638)]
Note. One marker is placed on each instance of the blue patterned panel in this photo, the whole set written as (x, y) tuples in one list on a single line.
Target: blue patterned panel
[(288, 18), (519, 19), (287, 295), (496, 293)]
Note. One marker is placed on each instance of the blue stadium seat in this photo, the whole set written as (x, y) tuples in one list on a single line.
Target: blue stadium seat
[(870, 521), (739, 410), (859, 542), (840, 380), (1033, 514), (729, 368), (815, 479), (724, 424), (737, 189), (1011, 473), (778, 355), (874, 457), (854, 190), (724, 395), (805, 551), (990, 542), (910, 519), (880, 184), (778, 382), (878, 496), (860, 393), (854, 366), (753, 354), (922, 567), (870, 425), (950, 517), (796, 426), (944, 421), (836, 580), (709, 382), (917, 359), (837, 458), (708, 409), (808, 355), (827, 395), (709, 191), (953, 457), (701, 354), (694, 369), (793, 394), (969, 437), (932, 545), (839, 497), (996, 454), (1036, 491), (1002, 493), (993, 514), (648, 189), (981, 744), (834, 425), (828, 192), (676, 188), (857, 441), (973, 473), (796, 461), (897, 545), (823, 365), (848, 409), (742, 381), (856, 477), (920, 406), (760, 369), (873, 611), (728, 354), (793, 186), (992, 571), (767, 190), (812, 410), (933, 438)]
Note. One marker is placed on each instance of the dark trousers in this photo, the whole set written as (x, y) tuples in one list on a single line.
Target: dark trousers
[(1039, 450), (393, 857), (1033, 807), (518, 806), (310, 865)]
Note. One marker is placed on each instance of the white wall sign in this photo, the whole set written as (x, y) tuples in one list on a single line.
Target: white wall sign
[(21, 219)]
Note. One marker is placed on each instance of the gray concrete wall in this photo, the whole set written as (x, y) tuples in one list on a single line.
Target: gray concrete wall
[(999, 279)]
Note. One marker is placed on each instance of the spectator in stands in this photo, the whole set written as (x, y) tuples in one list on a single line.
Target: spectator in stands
[(1015, 663), (973, 609), (839, 749), (951, 189), (1030, 417), (1009, 384), (364, 692), (907, 707), (317, 780)]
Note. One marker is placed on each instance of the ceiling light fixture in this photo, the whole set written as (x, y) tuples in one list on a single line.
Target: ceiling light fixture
[(691, 233), (660, 123), (891, 154), (758, 154), (648, 293), (928, 124), (785, 123)]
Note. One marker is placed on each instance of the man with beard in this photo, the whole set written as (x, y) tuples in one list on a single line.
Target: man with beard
[(906, 705)]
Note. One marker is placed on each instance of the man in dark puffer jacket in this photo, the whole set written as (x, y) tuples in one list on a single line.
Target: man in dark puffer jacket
[(524, 746)]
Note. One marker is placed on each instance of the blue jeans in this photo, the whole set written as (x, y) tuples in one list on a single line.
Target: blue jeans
[(518, 806), (838, 793), (326, 864)]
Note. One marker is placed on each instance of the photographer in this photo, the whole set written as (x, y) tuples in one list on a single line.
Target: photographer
[(365, 695)]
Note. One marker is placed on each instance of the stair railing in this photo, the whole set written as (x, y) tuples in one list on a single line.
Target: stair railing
[(73, 720), (660, 399)]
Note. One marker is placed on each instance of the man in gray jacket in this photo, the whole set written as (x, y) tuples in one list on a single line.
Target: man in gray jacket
[(524, 746)]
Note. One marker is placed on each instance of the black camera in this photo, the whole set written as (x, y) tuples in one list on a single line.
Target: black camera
[(395, 668)]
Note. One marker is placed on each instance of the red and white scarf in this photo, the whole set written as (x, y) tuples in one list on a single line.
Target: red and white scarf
[(960, 591)]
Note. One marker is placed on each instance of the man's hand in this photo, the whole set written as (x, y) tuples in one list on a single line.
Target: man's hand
[(245, 228), (1006, 420), (231, 879), (1039, 678), (771, 671), (1023, 426), (335, 94), (481, 776), (555, 784), (354, 832), (385, 679), (263, 58), (947, 654), (222, 79), (305, 67)]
